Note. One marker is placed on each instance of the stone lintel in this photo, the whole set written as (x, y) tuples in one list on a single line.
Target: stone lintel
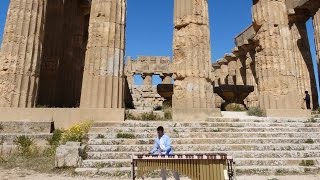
[(62, 117), (293, 113), (195, 114)]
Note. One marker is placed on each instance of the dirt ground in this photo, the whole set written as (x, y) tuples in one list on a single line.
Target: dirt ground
[(21, 174)]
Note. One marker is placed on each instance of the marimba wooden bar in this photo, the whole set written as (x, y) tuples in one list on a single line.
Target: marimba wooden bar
[(195, 166)]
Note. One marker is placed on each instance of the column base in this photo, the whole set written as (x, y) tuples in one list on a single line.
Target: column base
[(292, 113), (195, 114), (62, 117)]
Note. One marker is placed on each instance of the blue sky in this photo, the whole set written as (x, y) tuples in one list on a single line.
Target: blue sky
[(150, 25)]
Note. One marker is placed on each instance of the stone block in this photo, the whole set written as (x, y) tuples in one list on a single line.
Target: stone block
[(136, 112), (68, 155), (292, 113), (194, 114), (62, 117)]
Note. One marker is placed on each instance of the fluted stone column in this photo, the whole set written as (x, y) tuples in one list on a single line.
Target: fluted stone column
[(103, 77), (241, 70), (193, 92), (303, 59), (275, 58), (232, 72), (252, 99), (316, 27), (21, 53), (166, 78), (147, 79)]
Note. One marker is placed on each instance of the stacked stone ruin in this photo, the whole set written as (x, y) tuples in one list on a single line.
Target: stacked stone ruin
[(145, 96)]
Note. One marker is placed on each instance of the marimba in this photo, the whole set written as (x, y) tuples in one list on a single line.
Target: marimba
[(195, 166)]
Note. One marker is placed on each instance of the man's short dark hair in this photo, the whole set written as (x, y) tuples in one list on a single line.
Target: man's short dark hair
[(160, 128), (306, 92)]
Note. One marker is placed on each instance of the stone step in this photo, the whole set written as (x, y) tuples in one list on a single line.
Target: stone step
[(39, 138), (26, 126), (94, 135), (204, 124), (116, 163), (236, 154), (198, 124), (258, 119), (203, 129), (276, 170), (125, 172), (176, 141), (206, 147)]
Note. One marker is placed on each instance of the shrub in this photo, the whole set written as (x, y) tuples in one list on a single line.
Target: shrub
[(25, 145), (167, 112), (1, 127), (311, 120), (149, 116), (309, 141), (54, 141), (56, 138), (256, 111), (307, 163), (100, 136), (235, 107), (125, 136), (129, 116), (76, 133)]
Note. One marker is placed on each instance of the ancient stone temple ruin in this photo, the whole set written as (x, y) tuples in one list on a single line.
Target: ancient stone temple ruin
[(66, 59), (273, 55), (63, 62), (146, 97)]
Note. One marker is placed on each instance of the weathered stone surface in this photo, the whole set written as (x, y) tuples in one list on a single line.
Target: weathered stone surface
[(192, 57), (68, 155), (103, 77), (275, 58), (21, 52), (305, 73)]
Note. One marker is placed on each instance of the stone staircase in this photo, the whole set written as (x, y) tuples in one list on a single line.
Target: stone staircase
[(38, 131), (259, 145)]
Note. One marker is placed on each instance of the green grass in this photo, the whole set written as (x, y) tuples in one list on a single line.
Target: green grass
[(256, 111), (309, 141), (125, 136), (100, 136), (307, 163)]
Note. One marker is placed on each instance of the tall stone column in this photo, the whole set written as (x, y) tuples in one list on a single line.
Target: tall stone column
[(193, 92), (303, 59), (21, 53), (274, 60), (147, 79), (316, 27), (103, 77)]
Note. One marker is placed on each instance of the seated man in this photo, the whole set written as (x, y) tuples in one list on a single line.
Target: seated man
[(162, 146)]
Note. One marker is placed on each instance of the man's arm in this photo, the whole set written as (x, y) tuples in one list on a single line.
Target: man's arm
[(168, 146), (156, 147)]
